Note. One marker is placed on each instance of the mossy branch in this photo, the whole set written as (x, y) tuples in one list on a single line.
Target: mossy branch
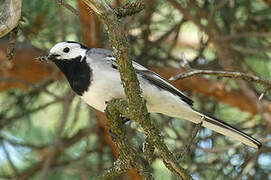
[(129, 157), (120, 166), (136, 104), (129, 9)]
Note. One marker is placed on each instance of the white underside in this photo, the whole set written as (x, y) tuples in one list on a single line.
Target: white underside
[(158, 101)]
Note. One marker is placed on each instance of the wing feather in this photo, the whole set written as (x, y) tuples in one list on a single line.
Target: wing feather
[(155, 79)]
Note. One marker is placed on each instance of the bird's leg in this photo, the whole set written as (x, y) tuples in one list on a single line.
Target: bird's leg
[(125, 121), (107, 114), (112, 135)]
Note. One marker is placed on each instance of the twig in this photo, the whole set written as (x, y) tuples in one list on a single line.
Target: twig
[(189, 143), (67, 6), (12, 43), (184, 63), (263, 93), (247, 77)]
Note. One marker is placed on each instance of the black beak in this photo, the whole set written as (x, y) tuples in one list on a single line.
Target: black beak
[(52, 57)]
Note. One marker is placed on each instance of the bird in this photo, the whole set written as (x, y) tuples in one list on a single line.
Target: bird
[(93, 75)]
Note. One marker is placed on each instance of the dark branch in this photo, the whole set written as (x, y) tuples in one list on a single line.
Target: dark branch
[(247, 77), (12, 43)]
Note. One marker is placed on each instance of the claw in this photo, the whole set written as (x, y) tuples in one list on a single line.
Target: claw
[(125, 120), (106, 112), (112, 135)]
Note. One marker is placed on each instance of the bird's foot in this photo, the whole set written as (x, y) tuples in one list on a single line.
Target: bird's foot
[(124, 120), (112, 135)]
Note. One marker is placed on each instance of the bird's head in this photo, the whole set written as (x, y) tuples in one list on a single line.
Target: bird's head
[(67, 50)]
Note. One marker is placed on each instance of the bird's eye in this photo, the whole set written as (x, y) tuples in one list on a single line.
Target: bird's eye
[(66, 50)]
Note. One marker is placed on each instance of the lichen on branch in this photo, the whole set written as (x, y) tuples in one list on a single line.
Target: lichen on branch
[(129, 157), (129, 9)]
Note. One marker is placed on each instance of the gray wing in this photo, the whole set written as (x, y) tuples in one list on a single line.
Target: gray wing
[(155, 79), (162, 83), (103, 52)]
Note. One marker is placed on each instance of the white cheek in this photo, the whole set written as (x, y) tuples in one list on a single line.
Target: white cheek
[(75, 53), (69, 55)]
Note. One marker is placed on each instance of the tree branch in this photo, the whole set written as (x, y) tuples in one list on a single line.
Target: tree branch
[(119, 167), (10, 17), (129, 9), (136, 104), (129, 156), (247, 77)]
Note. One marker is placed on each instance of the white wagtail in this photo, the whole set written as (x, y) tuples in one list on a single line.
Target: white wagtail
[(93, 75)]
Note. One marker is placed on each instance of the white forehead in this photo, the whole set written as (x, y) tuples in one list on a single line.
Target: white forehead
[(60, 46)]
